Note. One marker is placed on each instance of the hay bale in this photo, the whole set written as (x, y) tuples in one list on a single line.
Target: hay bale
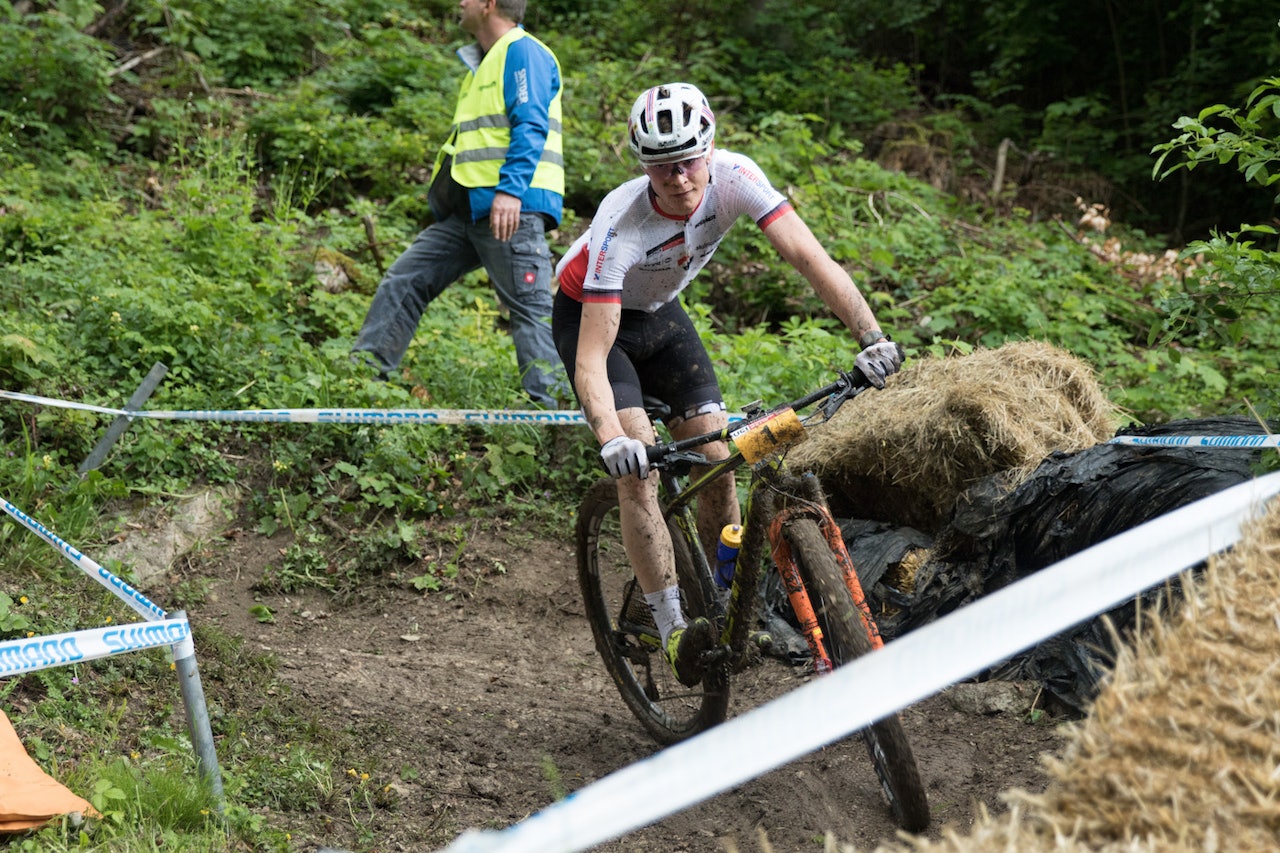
[(1184, 745), (903, 454), (1181, 748)]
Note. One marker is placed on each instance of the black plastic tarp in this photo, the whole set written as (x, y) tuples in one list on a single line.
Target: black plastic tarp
[(999, 533)]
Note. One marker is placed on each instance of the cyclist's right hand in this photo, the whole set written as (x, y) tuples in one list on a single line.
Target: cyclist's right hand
[(624, 455)]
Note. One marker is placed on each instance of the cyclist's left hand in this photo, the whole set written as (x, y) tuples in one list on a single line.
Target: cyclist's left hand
[(880, 361)]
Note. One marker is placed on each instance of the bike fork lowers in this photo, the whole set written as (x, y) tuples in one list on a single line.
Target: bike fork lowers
[(780, 550)]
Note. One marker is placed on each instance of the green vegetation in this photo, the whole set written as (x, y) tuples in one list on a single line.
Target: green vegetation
[(217, 186)]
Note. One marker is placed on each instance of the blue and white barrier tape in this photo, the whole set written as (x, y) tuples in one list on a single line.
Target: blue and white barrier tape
[(547, 417), (554, 417), (118, 587), (1251, 442), (384, 417), (906, 670), (18, 657)]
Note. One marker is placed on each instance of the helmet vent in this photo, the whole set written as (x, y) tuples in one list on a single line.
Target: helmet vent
[(671, 122)]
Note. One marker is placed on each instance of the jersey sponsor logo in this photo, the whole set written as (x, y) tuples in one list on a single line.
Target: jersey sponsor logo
[(604, 251), (748, 174), (663, 263)]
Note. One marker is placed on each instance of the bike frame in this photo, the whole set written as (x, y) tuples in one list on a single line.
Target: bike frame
[(761, 512), (785, 512)]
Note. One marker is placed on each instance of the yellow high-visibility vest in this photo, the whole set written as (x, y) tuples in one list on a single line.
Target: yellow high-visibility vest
[(482, 133)]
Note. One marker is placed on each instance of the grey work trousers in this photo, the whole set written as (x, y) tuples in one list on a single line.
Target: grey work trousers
[(520, 270)]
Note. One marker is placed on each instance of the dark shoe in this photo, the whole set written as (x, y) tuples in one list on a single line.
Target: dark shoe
[(685, 648)]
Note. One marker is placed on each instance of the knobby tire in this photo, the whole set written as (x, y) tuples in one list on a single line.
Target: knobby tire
[(846, 637), (625, 635)]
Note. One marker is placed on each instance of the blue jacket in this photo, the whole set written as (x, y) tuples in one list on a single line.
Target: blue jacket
[(527, 109)]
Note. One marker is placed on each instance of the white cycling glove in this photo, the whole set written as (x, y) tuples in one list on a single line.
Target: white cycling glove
[(879, 361), (624, 455)]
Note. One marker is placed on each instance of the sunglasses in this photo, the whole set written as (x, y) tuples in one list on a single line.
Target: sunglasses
[(680, 167)]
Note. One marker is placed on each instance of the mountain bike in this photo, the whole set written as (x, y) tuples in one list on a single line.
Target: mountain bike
[(788, 511)]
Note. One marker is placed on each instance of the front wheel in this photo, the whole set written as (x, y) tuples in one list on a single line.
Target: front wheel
[(624, 631), (846, 637)]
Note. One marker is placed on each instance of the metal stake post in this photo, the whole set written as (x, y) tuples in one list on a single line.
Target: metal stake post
[(121, 423), (184, 655)]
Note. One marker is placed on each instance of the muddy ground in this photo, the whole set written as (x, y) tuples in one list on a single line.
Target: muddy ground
[(481, 703)]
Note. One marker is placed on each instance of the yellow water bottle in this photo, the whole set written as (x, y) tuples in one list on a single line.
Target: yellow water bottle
[(727, 554)]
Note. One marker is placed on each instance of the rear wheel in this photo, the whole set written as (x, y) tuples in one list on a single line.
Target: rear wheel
[(624, 631), (846, 637)]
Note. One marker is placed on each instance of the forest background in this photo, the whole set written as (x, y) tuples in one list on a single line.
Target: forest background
[(218, 184)]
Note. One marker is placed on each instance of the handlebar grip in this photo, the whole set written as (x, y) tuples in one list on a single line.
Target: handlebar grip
[(857, 378)]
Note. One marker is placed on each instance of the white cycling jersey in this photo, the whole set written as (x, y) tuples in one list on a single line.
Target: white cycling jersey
[(635, 254)]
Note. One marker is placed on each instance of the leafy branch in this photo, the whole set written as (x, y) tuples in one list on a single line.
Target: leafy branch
[(1251, 138)]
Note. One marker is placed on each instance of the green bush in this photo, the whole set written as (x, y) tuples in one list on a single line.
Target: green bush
[(243, 43), (371, 121), (54, 81)]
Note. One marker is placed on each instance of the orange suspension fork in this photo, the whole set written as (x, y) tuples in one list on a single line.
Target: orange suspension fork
[(781, 551)]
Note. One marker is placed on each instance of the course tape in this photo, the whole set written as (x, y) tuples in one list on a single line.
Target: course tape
[(906, 670), (326, 416), (552, 417), (18, 657), (384, 417), (117, 586), (1247, 441), (555, 417)]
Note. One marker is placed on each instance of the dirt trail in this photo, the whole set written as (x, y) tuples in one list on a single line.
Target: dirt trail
[(483, 703)]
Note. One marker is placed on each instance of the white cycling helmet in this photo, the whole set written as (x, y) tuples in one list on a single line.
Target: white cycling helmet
[(670, 123)]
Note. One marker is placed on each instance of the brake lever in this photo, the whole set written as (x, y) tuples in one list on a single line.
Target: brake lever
[(679, 462), (851, 384)]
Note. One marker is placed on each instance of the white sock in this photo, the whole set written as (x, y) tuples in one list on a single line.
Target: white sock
[(665, 607)]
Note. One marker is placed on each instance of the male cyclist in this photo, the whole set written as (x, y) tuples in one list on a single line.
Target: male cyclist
[(622, 333)]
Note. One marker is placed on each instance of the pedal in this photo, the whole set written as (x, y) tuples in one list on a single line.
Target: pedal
[(715, 655)]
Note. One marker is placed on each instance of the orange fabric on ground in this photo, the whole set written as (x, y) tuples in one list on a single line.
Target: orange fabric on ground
[(29, 797)]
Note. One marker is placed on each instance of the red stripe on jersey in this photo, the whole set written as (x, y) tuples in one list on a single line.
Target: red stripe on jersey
[(774, 215), (677, 240), (575, 272), (601, 296)]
